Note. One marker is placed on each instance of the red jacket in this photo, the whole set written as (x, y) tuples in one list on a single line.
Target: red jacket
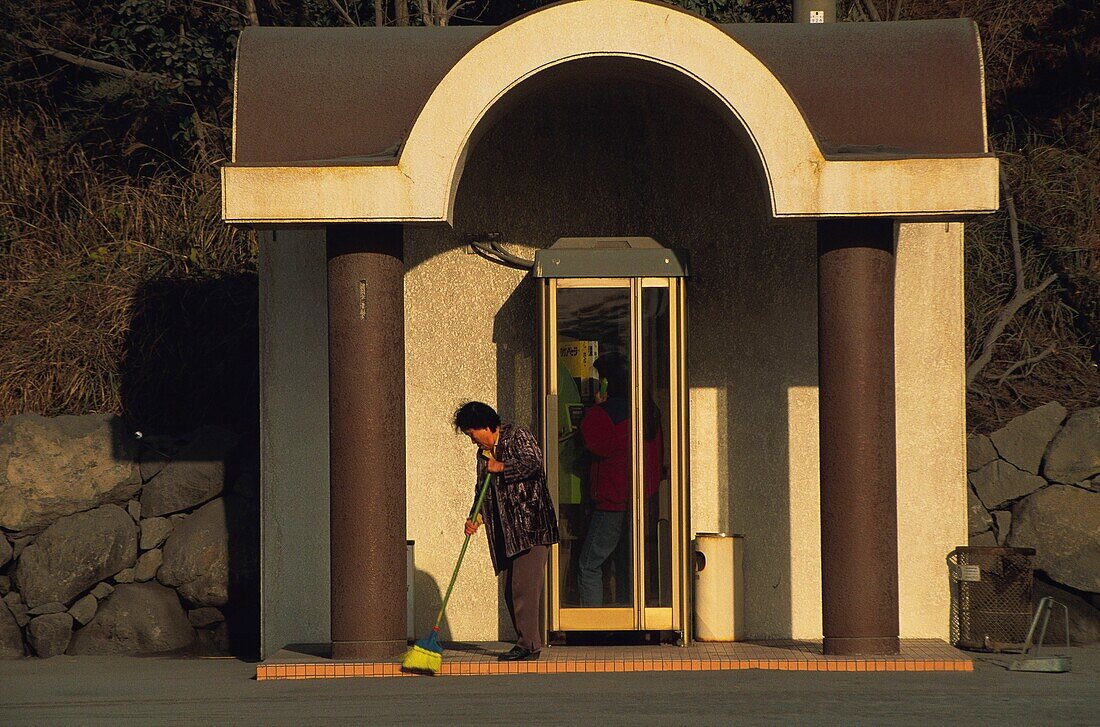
[(606, 433)]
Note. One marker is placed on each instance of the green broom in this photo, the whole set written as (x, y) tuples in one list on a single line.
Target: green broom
[(426, 655)]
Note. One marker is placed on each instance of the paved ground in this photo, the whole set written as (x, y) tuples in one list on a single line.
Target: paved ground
[(93, 690)]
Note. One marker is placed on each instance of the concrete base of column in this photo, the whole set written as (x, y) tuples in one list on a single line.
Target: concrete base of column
[(868, 646), (368, 650)]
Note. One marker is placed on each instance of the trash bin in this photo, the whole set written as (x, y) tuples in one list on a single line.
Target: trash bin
[(990, 596), (719, 587)]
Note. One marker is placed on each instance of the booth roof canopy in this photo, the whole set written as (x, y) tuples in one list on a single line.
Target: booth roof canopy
[(888, 90)]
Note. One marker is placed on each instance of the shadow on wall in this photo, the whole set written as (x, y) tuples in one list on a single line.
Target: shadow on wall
[(515, 333), (427, 589), (190, 357), (190, 360)]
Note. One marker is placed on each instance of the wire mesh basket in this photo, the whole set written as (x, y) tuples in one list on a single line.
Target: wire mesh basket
[(990, 596)]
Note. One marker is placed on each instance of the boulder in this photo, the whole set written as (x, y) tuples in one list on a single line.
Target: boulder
[(195, 475), (102, 590), (5, 585), (1062, 523), (983, 540), (150, 463), (53, 467), (18, 545), (1084, 617), (979, 452), (19, 610), (134, 508), (154, 531), (1003, 521), (1023, 440), (49, 635), (977, 515), (11, 636), (13, 597), (51, 607), (138, 618), (214, 640), (206, 616), (5, 550), (148, 564), (75, 553), (126, 575), (999, 483), (1074, 455), (196, 557), (84, 609)]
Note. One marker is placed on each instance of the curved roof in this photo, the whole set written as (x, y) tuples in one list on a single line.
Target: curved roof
[(895, 89), (374, 124)]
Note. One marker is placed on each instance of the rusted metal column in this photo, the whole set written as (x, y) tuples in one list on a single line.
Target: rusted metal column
[(366, 319), (859, 550)]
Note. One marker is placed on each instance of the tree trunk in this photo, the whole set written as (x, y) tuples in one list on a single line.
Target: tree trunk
[(401, 12)]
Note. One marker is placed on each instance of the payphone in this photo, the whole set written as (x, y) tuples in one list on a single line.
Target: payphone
[(614, 433)]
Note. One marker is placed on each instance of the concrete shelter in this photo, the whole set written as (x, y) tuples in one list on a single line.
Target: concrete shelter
[(816, 176)]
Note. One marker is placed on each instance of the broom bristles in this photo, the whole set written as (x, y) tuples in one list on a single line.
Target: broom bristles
[(422, 661), (425, 657)]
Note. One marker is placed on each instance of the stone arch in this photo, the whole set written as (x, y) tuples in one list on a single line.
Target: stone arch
[(434, 154)]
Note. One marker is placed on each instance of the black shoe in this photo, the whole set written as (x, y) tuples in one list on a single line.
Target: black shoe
[(518, 653)]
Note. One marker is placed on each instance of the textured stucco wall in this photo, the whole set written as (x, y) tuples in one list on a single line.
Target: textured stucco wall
[(294, 590), (931, 421), (618, 158)]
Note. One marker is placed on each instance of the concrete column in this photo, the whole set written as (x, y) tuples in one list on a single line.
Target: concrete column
[(859, 552), (366, 324)]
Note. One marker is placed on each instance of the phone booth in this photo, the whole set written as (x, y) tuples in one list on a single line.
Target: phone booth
[(614, 434)]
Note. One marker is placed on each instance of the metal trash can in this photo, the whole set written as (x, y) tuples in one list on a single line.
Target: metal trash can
[(990, 596), (719, 587)]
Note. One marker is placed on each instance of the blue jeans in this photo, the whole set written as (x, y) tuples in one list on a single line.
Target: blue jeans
[(605, 530)]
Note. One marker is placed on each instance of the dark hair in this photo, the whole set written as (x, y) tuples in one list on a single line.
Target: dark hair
[(615, 368), (476, 415)]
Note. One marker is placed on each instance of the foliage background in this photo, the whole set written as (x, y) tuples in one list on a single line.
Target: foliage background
[(120, 290)]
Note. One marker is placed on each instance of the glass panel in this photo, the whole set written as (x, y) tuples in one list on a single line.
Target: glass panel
[(656, 447), (595, 447)]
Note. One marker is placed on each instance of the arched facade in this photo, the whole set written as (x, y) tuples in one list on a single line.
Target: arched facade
[(377, 126), (419, 183)]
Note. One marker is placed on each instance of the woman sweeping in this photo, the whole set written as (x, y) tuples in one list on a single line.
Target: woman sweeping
[(518, 515)]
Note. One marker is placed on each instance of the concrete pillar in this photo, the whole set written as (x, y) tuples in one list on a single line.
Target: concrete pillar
[(859, 552), (366, 440)]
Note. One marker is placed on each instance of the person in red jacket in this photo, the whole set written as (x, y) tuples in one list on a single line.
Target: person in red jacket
[(606, 432)]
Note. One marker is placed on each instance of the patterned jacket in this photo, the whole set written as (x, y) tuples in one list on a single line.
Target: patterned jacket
[(518, 504)]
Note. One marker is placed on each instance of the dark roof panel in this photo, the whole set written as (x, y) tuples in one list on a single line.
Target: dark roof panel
[(866, 89)]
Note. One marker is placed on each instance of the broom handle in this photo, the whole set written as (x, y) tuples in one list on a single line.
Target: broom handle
[(462, 553)]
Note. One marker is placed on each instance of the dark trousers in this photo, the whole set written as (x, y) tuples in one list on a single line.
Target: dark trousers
[(523, 578)]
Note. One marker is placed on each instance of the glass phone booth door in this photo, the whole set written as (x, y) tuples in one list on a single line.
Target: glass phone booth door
[(614, 434)]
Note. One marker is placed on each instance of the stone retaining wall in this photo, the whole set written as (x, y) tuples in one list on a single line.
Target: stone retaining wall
[(1035, 483), (113, 543)]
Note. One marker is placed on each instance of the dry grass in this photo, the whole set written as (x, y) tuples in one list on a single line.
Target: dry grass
[(1047, 351), (127, 295), (78, 249)]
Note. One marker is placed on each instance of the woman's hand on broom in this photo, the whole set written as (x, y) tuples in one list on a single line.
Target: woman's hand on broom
[(473, 525)]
